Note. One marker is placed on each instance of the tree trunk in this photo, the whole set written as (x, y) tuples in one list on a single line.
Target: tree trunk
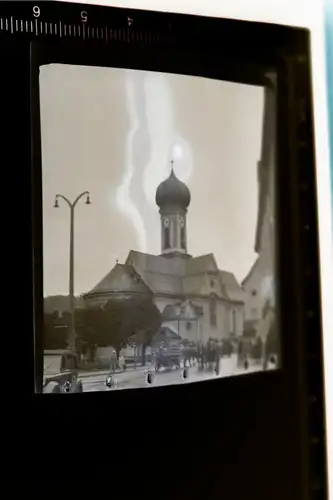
[(92, 353), (143, 355)]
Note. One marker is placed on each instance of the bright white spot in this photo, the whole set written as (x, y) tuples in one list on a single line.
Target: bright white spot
[(166, 145), (177, 152)]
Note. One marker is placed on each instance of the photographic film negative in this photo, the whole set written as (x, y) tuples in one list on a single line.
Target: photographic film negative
[(159, 228), (169, 242)]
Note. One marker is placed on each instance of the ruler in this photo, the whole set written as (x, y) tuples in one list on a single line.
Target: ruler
[(81, 21)]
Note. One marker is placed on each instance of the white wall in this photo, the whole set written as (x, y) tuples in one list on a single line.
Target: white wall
[(308, 13)]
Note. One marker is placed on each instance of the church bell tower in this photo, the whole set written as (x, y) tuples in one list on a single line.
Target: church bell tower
[(173, 198)]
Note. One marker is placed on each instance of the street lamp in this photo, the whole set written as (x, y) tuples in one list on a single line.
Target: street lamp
[(72, 205)]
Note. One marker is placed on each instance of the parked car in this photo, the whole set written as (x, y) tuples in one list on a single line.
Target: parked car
[(61, 372)]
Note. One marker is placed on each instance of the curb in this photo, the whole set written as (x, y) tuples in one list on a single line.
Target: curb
[(106, 372)]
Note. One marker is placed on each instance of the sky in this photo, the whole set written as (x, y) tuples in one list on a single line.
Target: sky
[(114, 132)]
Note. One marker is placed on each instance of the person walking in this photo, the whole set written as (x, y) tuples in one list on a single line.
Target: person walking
[(113, 361), (217, 357)]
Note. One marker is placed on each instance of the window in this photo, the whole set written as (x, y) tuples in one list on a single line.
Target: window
[(212, 283), (182, 238), (212, 307), (188, 325), (136, 278), (254, 293), (167, 237)]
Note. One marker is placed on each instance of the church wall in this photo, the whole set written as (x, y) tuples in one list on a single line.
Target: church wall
[(202, 285), (224, 325), (207, 329)]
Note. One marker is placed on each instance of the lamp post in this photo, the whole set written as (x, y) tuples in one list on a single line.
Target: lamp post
[(72, 205)]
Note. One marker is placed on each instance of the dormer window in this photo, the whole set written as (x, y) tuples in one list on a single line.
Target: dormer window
[(136, 278)]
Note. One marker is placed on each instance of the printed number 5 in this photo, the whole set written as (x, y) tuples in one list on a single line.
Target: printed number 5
[(36, 11)]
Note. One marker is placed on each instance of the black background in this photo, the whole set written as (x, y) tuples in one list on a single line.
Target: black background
[(249, 437)]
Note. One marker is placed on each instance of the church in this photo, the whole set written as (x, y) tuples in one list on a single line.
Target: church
[(197, 300)]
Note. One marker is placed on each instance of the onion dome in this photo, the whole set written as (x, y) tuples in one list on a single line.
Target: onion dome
[(173, 193)]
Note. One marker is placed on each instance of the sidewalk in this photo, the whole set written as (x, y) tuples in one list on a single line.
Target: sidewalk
[(83, 374)]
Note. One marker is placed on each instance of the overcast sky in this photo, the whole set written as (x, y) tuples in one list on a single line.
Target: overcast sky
[(113, 132)]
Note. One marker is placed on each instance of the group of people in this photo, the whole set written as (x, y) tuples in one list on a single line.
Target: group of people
[(205, 355), (117, 362), (208, 355)]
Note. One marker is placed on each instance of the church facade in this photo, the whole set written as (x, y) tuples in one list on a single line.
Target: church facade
[(197, 300)]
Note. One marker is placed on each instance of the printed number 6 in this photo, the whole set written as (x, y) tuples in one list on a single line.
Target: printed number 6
[(36, 11)]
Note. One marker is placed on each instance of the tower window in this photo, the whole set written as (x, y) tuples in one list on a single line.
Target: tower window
[(166, 237), (182, 238), (166, 233)]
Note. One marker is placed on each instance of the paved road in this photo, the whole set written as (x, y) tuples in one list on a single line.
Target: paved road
[(137, 378)]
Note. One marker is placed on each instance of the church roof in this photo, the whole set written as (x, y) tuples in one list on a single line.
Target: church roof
[(201, 264), (231, 286), (121, 279), (173, 193), (178, 276)]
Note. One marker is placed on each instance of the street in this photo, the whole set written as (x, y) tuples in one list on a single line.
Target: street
[(132, 378)]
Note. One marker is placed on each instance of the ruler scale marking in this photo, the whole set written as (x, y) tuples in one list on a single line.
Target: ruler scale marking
[(37, 27)]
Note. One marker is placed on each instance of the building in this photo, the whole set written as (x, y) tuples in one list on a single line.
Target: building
[(197, 300), (258, 285)]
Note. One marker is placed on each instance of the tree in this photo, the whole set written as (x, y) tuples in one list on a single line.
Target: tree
[(118, 321), (145, 324), (55, 331)]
